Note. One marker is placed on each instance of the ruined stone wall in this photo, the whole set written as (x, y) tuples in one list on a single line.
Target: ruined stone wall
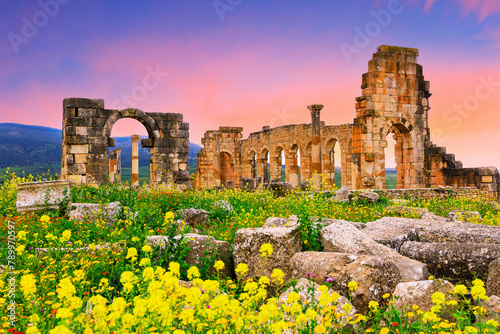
[(253, 151), (86, 137), (394, 101)]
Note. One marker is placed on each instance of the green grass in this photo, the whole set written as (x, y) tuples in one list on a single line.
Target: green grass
[(44, 171)]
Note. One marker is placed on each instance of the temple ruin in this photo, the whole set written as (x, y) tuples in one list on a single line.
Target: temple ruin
[(86, 137), (394, 100)]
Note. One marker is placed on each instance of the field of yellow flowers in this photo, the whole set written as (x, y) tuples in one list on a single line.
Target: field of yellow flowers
[(63, 276)]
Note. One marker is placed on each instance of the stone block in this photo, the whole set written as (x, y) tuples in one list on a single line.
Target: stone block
[(79, 169), (80, 130), (91, 211), (285, 242), (77, 149), (41, 195), (86, 112), (487, 178), (83, 103)]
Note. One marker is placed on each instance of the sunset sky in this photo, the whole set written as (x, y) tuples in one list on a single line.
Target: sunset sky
[(250, 63)]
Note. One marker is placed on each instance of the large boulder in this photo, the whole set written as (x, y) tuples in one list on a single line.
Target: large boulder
[(343, 195), (206, 248), (420, 292), (369, 196), (459, 261), (343, 237), (493, 282), (393, 231), (375, 276), (455, 234), (194, 217), (318, 266), (286, 241)]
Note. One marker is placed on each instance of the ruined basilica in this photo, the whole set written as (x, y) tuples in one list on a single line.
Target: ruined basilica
[(394, 100)]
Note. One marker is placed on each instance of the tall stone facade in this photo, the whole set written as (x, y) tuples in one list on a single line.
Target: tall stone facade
[(86, 137), (394, 100)]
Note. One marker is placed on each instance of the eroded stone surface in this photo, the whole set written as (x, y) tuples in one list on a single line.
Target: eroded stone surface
[(285, 242), (493, 282), (35, 196), (319, 265), (93, 211), (194, 217), (459, 261), (409, 293), (343, 237)]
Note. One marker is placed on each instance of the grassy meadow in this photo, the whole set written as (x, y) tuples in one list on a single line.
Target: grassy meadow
[(108, 281)]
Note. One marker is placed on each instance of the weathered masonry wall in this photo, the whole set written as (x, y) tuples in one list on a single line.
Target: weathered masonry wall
[(86, 137), (394, 100)]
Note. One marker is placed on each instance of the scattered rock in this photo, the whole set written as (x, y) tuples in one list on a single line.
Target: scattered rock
[(292, 221), (223, 206), (460, 261), (327, 221), (492, 306), (369, 196), (194, 217), (488, 235), (343, 195), (247, 183), (305, 185), (343, 237), (281, 189), (92, 211), (286, 241), (321, 265), (463, 215), (493, 282), (36, 196), (375, 276), (217, 250), (408, 293), (157, 240)]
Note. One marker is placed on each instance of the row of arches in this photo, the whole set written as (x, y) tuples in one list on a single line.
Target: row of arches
[(291, 165)]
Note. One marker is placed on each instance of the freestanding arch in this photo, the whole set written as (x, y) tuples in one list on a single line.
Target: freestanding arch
[(86, 138)]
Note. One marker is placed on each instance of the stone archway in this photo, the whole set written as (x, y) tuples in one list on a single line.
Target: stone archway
[(403, 154), (86, 137)]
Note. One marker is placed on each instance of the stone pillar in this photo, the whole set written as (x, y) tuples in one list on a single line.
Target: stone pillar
[(135, 160), (115, 162), (316, 144)]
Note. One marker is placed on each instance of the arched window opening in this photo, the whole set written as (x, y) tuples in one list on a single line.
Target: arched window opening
[(123, 164)]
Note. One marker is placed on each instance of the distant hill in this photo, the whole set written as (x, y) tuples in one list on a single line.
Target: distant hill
[(31, 145)]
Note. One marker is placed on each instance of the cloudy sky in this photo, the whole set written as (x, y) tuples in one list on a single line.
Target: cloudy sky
[(250, 62)]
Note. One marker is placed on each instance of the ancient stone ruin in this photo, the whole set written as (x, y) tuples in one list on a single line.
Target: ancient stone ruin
[(394, 100), (86, 137)]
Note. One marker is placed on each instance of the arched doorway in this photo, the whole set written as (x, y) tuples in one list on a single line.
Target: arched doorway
[(226, 169), (121, 157), (333, 163), (403, 156)]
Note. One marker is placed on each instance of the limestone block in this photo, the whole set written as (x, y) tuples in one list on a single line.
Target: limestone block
[(343, 195), (78, 149), (285, 242), (459, 261), (493, 282), (217, 250), (41, 195), (318, 266), (92, 211), (345, 238), (482, 234), (194, 217), (409, 293), (492, 307), (369, 196)]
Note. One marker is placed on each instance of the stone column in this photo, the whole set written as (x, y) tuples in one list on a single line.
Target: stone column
[(316, 144), (115, 165), (135, 160)]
